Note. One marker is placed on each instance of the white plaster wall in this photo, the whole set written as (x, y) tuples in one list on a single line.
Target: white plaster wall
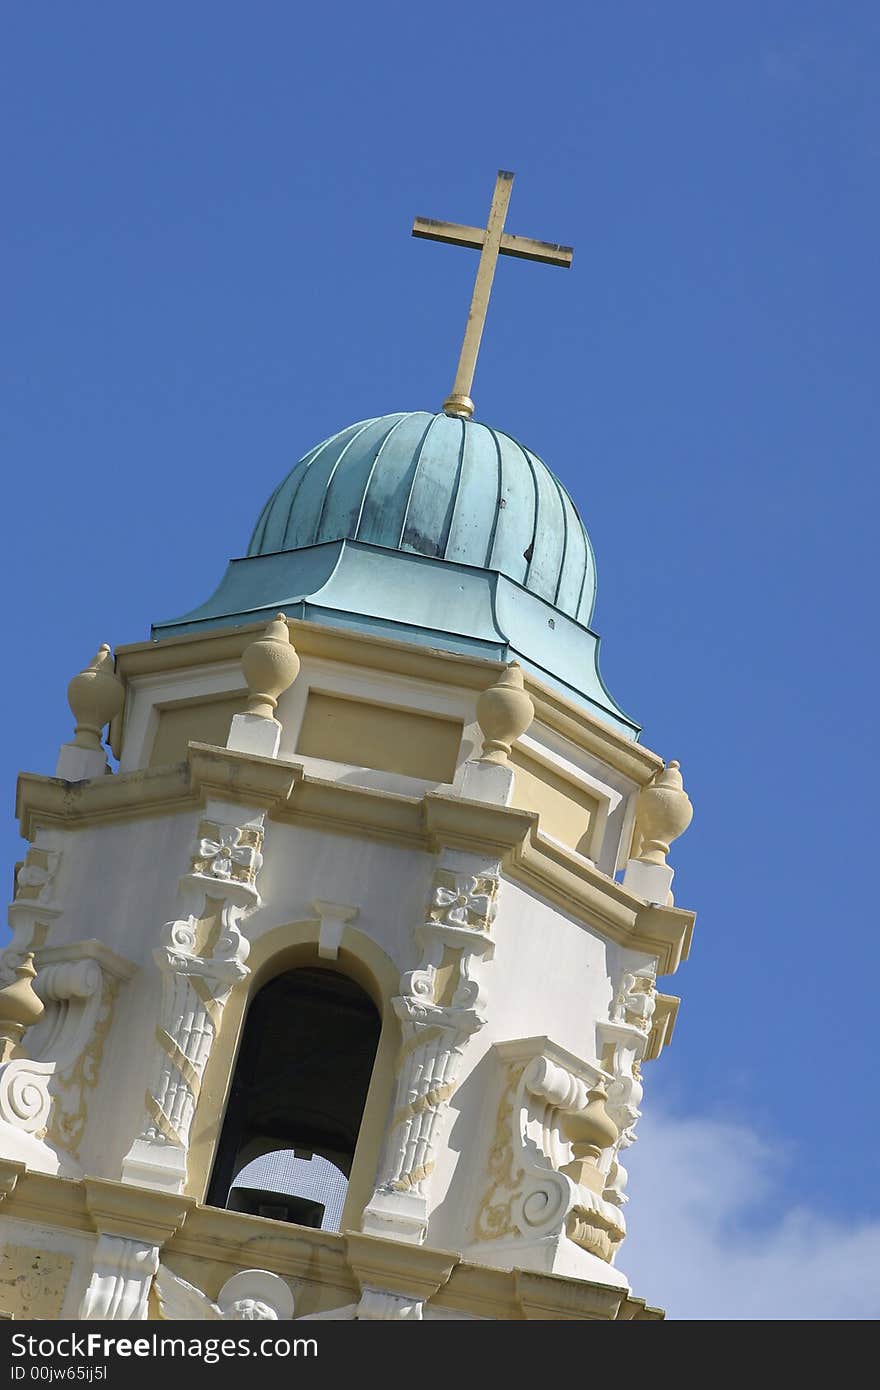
[(120, 886), (549, 975), (116, 881), (387, 884)]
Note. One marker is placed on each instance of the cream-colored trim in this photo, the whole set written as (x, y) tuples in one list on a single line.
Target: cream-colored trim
[(323, 1258), (288, 794), (207, 719), (662, 1024), (147, 696), (571, 809), (286, 948), (138, 1213), (399, 658), (46, 1200), (345, 728)]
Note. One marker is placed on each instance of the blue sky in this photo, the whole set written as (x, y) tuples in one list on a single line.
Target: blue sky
[(208, 268)]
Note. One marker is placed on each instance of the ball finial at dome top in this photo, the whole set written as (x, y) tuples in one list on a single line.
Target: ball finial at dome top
[(440, 486)]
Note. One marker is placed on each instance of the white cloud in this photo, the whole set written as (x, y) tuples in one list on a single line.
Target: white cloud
[(713, 1233)]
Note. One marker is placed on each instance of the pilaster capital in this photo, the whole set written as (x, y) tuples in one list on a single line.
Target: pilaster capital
[(135, 1213), (396, 1267)]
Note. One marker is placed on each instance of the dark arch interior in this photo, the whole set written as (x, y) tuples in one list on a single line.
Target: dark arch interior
[(300, 1084)]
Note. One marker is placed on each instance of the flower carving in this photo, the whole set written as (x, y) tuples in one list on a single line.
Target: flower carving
[(463, 900), (228, 852)]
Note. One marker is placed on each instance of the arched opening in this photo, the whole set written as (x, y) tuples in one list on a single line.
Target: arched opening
[(297, 1098)]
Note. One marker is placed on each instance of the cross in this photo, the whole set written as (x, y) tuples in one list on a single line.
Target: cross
[(491, 241)]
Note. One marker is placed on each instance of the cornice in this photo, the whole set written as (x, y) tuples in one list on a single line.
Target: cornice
[(662, 1024), (237, 1238), (368, 651), (288, 794), (340, 1262), (399, 1267), (46, 1199), (135, 1213)]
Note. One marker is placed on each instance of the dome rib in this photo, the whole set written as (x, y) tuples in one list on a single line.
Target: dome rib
[(375, 464), (498, 495), (309, 461), (529, 552)]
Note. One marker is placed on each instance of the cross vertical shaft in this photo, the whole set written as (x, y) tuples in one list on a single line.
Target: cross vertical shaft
[(459, 401), (491, 241)]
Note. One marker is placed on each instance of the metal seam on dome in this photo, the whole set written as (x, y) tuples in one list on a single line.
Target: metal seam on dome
[(589, 569), (588, 549), (254, 545), (498, 495), (308, 460), (406, 415), (417, 459), (257, 534), (530, 549), (339, 457), (564, 539), (455, 489)]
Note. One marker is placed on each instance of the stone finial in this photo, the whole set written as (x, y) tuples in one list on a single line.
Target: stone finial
[(663, 813), (504, 712), (590, 1131), (270, 665), (20, 1006), (95, 695)]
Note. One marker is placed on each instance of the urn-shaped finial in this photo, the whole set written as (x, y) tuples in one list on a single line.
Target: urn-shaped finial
[(590, 1131), (504, 712), (270, 665), (20, 1006), (664, 812), (95, 695)]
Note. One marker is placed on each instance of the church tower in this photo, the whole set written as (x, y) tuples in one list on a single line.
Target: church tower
[(331, 999)]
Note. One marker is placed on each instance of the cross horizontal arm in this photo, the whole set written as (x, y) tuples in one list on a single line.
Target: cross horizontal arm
[(525, 248)]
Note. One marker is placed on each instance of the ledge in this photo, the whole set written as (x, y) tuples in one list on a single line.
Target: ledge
[(288, 794), (385, 654), (339, 1263)]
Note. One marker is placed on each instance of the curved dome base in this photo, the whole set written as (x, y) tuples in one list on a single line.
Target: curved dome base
[(414, 598)]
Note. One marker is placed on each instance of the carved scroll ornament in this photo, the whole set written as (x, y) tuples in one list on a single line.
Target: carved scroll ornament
[(546, 1165)]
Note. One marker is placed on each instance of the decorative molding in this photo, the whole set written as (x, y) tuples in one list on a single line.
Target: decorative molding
[(384, 654), (396, 1278), (333, 918), (33, 908), (228, 852), (36, 875), (338, 1265), (119, 1287), (132, 1225), (542, 1205), (440, 1005), (201, 957), (624, 1040), (287, 793), (44, 1094)]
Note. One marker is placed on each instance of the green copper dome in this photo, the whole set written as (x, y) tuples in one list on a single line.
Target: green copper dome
[(439, 486), (427, 529)]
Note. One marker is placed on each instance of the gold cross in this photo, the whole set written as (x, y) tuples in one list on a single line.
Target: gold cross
[(491, 241)]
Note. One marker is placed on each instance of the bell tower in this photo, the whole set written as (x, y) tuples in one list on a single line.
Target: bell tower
[(333, 973)]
